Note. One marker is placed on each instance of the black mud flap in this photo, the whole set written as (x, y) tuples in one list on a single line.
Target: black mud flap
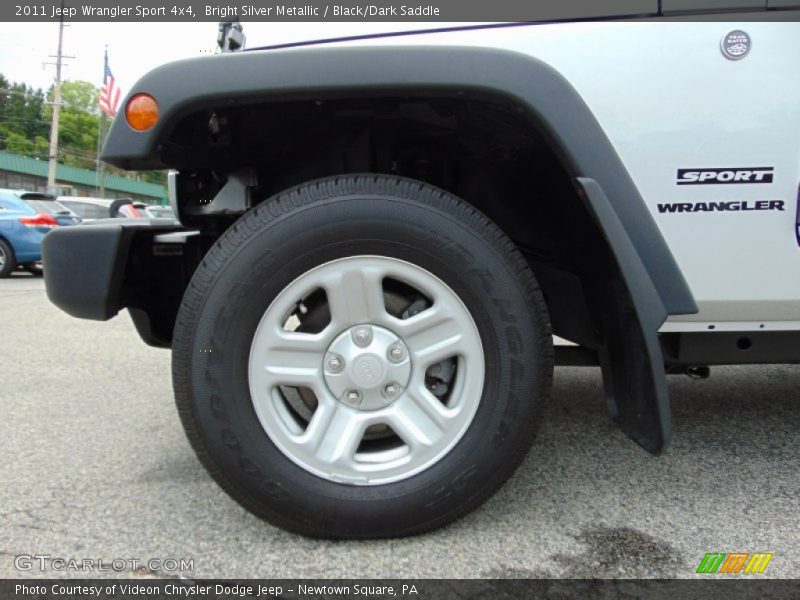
[(634, 378)]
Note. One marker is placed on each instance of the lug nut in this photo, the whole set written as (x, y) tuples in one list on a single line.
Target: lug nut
[(391, 391), (396, 352), (362, 336), (353, 398), (334, 363)]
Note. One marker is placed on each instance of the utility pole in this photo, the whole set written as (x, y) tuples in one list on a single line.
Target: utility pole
[(51, 171)]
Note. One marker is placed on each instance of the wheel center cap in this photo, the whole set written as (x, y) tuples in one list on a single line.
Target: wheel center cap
[(367, 371), (367, 367)]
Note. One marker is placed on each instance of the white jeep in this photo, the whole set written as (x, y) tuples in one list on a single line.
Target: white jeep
[(381, 236)]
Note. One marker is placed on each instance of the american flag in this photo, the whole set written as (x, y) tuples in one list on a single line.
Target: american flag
[(110, 93)]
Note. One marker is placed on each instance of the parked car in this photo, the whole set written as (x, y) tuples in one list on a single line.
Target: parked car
[(25, 218), (140, 210), (89, 209), (92, 209), (131, 210), (48, 204)]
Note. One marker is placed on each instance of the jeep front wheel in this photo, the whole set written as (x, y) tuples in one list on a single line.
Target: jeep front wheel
[(362, 356)]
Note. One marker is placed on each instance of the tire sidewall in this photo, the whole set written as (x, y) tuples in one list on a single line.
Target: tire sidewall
[(10, 263), (267, 260)]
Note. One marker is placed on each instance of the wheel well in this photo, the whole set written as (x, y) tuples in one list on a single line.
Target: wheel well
[(7, 241), (487, 151)]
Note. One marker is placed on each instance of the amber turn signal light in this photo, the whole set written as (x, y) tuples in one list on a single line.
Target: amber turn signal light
[(141, 112)]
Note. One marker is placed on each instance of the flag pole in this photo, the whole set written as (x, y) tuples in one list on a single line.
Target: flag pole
[(101, 167), (98, 146)]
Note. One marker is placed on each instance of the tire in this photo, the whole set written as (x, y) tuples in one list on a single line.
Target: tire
[(8, 262), (390, 482), (34, 270)]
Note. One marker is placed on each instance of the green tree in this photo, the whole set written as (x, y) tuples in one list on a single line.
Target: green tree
[(18, 143), (80, 96), (79, 123), (26, 114), (20, 116), (5, 85), (34, 125)]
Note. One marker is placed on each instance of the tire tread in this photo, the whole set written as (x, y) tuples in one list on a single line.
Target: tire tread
[(307, 194)]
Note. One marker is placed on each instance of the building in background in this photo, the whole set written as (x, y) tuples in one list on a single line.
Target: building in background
[(25, 173)]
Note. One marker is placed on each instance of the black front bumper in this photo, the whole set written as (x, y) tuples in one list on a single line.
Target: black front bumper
[(85, 265)]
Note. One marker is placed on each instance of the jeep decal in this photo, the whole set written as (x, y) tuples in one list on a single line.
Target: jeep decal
[(681, 207), (725, 175)]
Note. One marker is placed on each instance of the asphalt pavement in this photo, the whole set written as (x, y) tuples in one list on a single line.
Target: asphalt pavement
[(95, 465)]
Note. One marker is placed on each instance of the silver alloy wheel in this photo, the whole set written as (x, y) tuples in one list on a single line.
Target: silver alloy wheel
[(2, 257), (367, 369)]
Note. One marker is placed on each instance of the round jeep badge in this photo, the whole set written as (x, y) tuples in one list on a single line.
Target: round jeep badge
[(735, 44)]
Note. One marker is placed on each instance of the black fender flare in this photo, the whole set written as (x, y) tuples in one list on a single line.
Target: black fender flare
[(533, 86), (634, 376), (653, 279)]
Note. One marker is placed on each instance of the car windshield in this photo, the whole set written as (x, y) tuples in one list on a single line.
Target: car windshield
[(13, 203), (87, 210), (50, 207)]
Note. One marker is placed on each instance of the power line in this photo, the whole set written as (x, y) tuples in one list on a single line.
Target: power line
[(28, 93)]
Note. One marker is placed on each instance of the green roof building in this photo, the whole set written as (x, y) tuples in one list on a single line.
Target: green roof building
[(23, 172)]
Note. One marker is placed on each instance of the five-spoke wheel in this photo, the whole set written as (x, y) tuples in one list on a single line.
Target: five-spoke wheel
[(367, 370)]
